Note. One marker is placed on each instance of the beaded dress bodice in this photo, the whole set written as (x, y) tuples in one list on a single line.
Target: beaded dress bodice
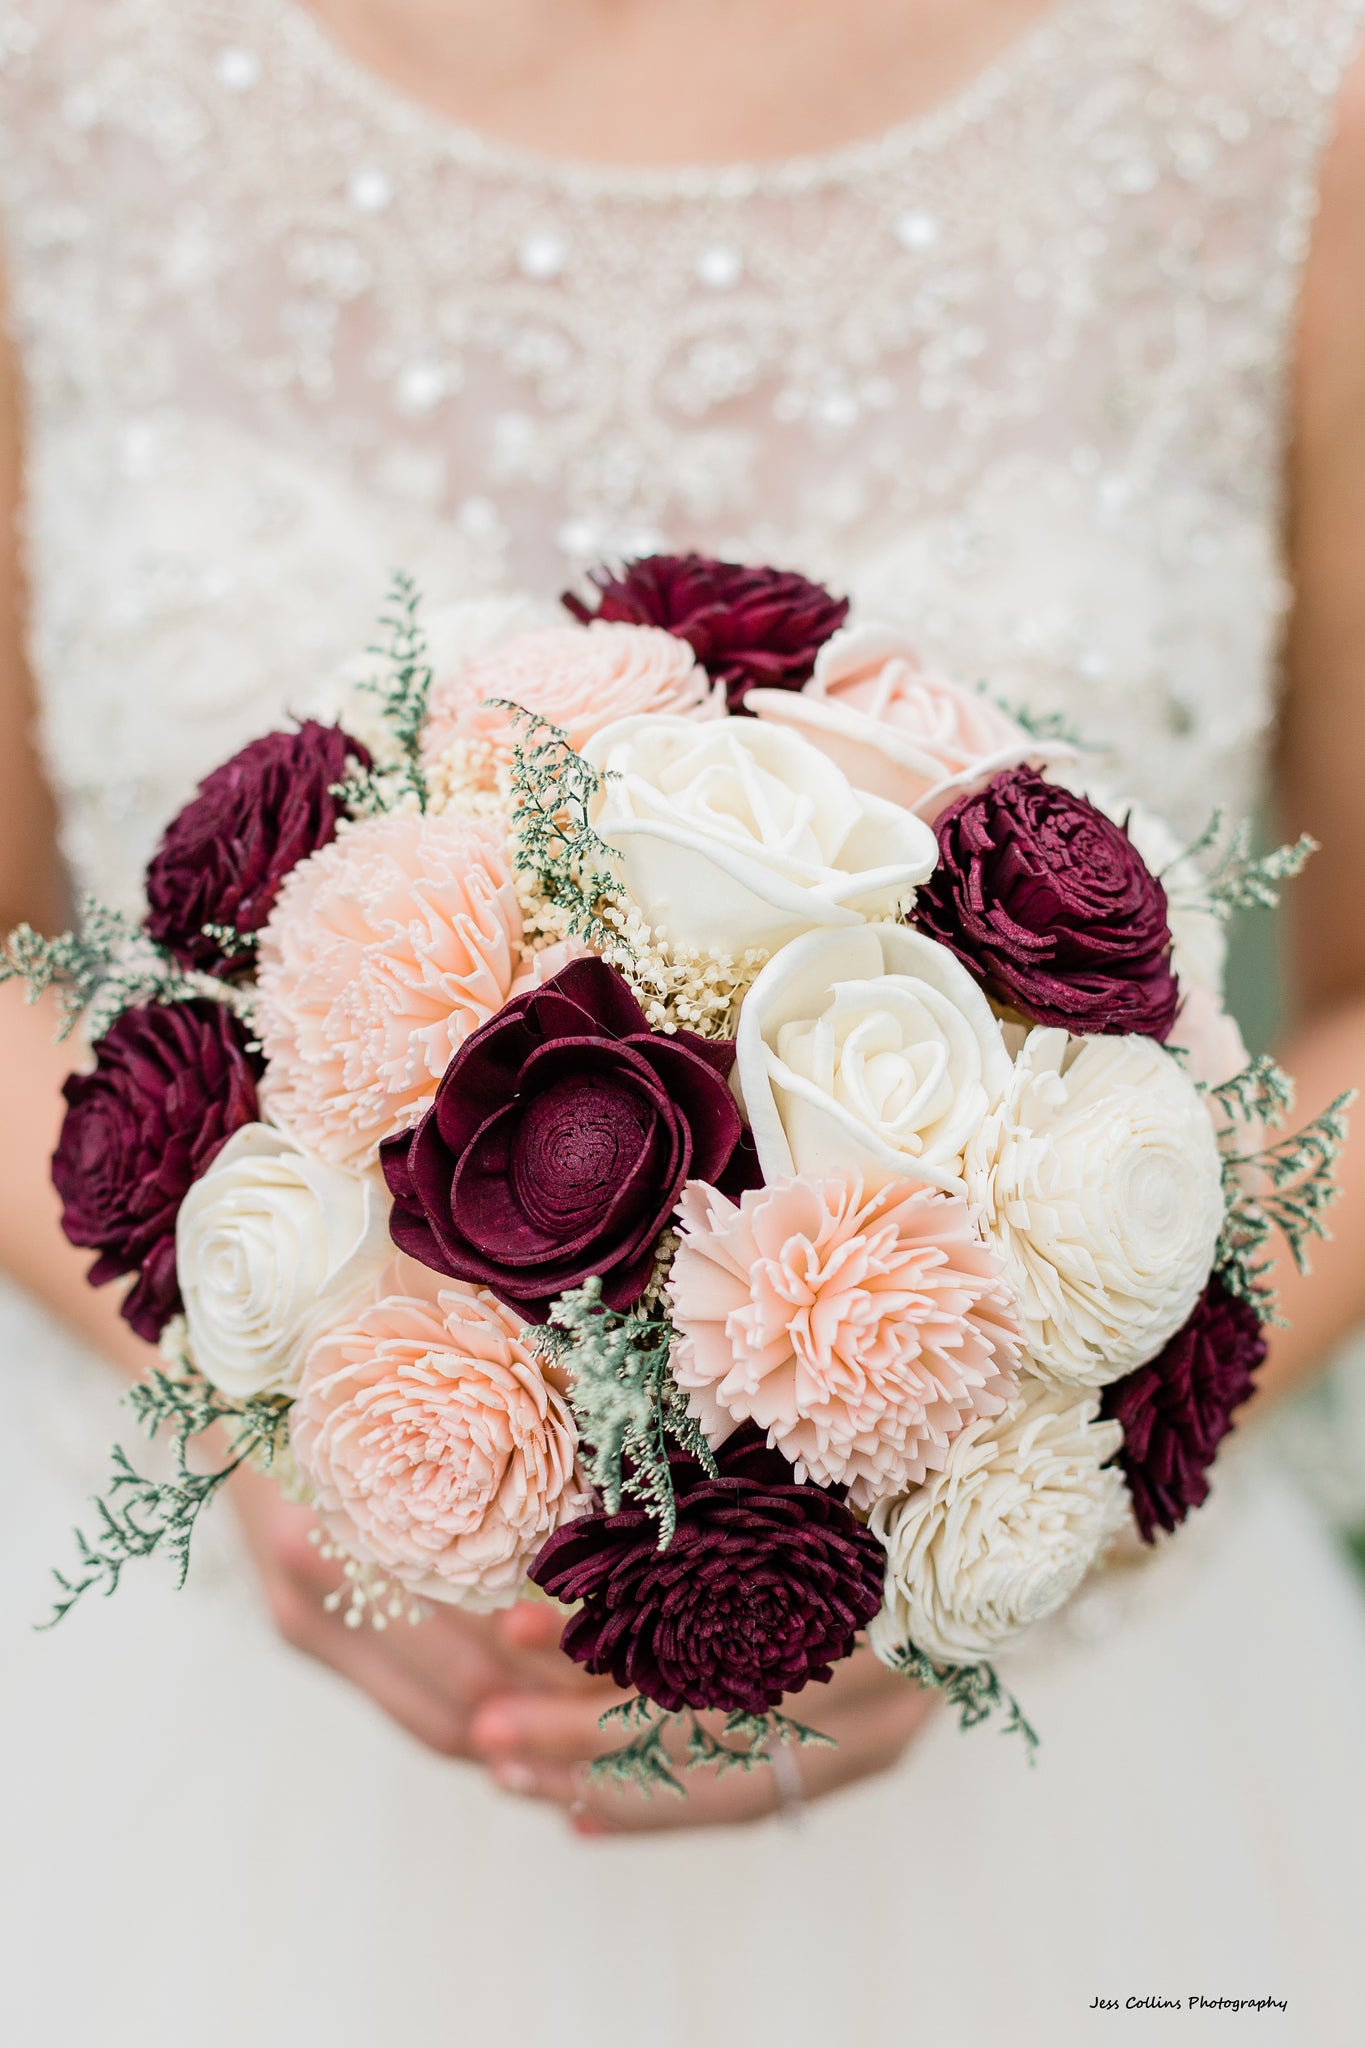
[(1012, 375)]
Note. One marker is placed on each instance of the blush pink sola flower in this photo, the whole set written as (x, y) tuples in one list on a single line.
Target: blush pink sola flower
[(384, 952), (861, 1332), (578, 678), (435, 1445)]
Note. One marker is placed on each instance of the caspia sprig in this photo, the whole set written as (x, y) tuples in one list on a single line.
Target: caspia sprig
[(626, 1402), (137, 1516)]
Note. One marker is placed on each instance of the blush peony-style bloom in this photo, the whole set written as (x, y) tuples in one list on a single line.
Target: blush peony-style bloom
[(1175, 1412), (872, 1050), (435, 1445), (738, 836), (559, 1142), (1099, 1182), (1050, 902), (1004, 1535), (747, 626), (272, 1246), (577, 680), (860, 1333), (170, 1084), (222, 859), (382, 955), (762, 1590), (893, 728)]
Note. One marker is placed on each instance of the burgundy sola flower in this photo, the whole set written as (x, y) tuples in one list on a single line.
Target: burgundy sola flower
[(748, 627), (1176, 1411), (170, 1085), (1050, 903), (222, 859), (762, 1590), (560, 1138)]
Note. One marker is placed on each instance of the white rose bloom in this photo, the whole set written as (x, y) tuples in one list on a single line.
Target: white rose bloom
[(735, 835), (869, 1051), (271, 1246), (1026, 1505), (1099, 1183)]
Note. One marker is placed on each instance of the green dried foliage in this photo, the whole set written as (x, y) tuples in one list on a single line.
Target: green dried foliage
[(1046, 726), (648, 1763), (1285, 1189), (104, 967), (404, 692), (1242, 880), (136, 1516), (554, 843), (626, 1402), (974, 1690)]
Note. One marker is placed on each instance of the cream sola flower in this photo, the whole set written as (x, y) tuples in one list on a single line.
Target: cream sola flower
[(1099, 1182), (1002, 1537), (870, 1049), (271, 1245), (860, 1332), (734, 835)]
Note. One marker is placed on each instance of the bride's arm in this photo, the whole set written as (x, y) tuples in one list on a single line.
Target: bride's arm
[(1322, 750)]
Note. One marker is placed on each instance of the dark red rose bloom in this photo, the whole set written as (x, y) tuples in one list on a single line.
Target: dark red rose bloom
[(763, 1588), (1051, 905), (748, 627), (559, 1142), (1176, 1411), (171, 1083), (221, 861)]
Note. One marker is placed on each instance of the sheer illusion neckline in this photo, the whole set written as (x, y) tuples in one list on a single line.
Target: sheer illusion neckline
[(1031, 51)]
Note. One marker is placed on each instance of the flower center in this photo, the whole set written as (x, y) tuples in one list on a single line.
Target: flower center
[(575, 1144)]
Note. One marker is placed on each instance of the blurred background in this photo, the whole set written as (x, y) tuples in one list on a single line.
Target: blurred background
[(1322, 1432)]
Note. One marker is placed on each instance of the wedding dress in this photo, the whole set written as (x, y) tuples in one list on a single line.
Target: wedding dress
[(1014, 375)]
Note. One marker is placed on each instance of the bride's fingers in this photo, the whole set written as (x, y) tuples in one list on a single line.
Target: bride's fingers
[(546, 1728), (867, 1739)]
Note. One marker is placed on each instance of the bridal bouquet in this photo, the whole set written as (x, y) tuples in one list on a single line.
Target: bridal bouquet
[(685, 1113)]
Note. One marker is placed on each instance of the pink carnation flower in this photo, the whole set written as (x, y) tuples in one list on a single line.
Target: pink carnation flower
[(862, 1333), (383, 953), (579, 678), (436, 1447)]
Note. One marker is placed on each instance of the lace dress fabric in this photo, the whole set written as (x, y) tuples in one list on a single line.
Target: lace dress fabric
[(1012, 375)]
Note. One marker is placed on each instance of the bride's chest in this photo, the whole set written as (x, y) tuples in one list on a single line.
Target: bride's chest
[(1011, 376)]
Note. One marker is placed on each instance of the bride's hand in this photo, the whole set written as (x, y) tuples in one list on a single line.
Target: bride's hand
[(431, 1679), (540, 1744)]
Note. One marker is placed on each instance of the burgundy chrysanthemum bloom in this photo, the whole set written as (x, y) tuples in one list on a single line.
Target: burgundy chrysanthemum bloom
[(762, 1590), (748, 627), (1176, 1411), (1051, 905), (170, 1085), (222, 859), (560, 1138)]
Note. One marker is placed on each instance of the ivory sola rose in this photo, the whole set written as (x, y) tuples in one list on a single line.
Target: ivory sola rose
[(861, 1333), (436, 1446)]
